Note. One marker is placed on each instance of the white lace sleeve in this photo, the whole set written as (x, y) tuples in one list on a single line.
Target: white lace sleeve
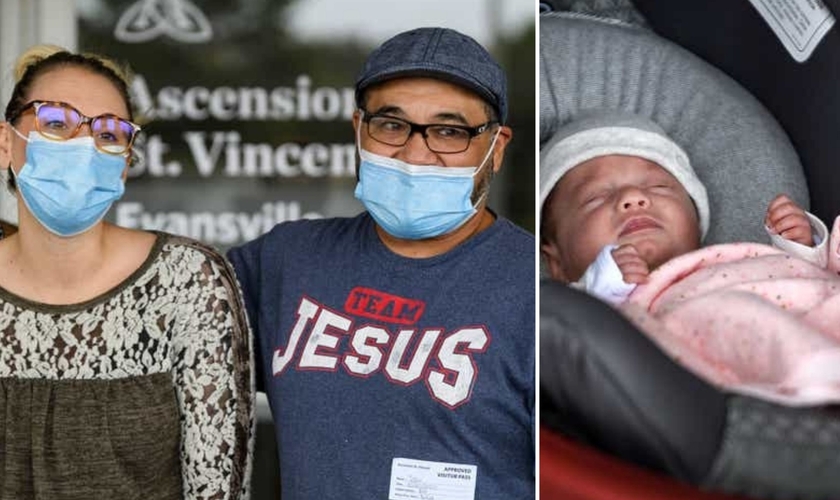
[(212, 362)]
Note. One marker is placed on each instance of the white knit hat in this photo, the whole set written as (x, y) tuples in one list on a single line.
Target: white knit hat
[(602, 133)]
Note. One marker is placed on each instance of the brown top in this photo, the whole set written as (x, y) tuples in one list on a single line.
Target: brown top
[(85, 439)]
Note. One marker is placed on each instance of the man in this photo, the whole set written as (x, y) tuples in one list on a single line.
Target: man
[(397, 347)]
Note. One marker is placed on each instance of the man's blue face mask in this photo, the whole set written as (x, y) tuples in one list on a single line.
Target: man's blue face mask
[(68, 186), (415, 202)]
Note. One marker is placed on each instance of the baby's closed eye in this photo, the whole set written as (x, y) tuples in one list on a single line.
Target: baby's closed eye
[(594, 199)]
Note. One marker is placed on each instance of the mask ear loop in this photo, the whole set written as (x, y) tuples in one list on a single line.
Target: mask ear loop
[(481, 166), (482, 197), (359, 132), (25, 139), (489, 152)]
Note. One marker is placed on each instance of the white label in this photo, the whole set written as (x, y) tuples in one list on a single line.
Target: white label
[(799, 24), (422, 480)]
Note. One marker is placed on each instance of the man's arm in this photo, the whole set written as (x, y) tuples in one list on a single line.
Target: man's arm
[(246, 264)]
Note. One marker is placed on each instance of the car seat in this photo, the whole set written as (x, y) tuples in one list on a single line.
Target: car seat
[(803, 97), (604, 387)]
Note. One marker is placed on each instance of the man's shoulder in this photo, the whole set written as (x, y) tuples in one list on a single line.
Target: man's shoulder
[(507, 249), (314, 227), (515, 233), (306, 232), (514, 238)]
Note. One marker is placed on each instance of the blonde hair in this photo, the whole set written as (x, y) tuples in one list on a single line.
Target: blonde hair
[(40, 59), (38, 53)]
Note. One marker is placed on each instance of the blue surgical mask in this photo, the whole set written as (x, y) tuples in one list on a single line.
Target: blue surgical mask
[(415, 202), (68, 186)]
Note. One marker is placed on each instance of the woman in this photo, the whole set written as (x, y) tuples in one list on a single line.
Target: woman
[(124, 355)]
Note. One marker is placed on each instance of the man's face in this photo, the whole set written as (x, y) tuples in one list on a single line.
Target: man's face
[(617, 199), (424, 101)]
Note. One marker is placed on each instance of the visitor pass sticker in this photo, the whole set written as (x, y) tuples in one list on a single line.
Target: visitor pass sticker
[(422, 480)]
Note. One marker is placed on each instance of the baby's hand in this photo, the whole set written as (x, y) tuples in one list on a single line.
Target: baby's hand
[(788, 220), (633, 268)]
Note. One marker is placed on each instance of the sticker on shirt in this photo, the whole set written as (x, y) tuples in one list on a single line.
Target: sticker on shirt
[(422, 480), (799, 24)]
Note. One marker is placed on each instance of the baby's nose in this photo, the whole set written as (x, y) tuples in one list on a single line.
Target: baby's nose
[(634, 199)]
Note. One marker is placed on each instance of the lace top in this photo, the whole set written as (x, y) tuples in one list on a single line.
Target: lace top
[(176, 322)]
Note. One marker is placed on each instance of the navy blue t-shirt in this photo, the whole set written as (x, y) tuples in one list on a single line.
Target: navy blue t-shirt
[(367, 357)]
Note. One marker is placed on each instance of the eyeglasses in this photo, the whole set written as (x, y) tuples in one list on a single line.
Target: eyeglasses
[(439, 138), (60, 121)]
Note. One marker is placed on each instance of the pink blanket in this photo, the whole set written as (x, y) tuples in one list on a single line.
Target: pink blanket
[(749, 318)]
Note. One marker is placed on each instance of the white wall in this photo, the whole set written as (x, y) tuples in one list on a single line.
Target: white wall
[(24, 23)]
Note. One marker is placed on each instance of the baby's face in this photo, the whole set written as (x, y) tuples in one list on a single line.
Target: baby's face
[(617, 199)]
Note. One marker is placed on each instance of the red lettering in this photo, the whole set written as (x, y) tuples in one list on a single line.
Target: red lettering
[(381, 306)]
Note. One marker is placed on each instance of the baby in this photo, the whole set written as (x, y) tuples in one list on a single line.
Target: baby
[(619, 199)]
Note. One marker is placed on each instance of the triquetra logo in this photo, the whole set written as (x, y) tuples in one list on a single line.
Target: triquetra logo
[(148, 19)]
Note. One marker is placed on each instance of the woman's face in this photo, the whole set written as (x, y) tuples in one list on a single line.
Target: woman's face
[(92, 94)]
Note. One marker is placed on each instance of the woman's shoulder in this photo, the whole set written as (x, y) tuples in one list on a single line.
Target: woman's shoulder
[(171, 260), (188, 256), (190, 245)]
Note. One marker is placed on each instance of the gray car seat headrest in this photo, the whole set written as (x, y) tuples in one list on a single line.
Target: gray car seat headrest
[(736, 147)]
